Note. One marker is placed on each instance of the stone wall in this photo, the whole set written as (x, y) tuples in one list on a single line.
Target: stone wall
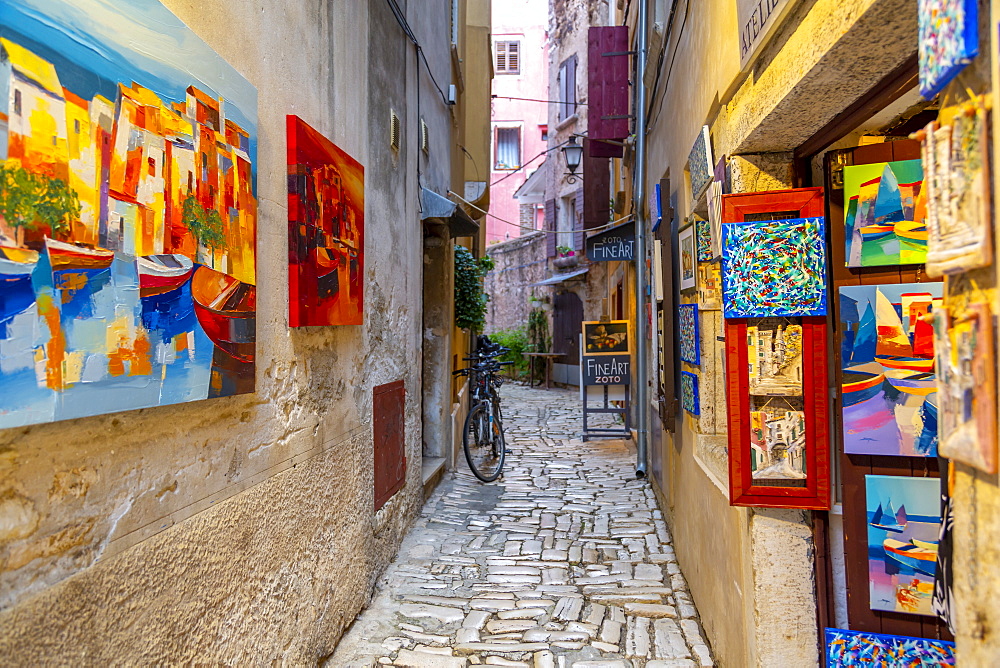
[(518, 263)]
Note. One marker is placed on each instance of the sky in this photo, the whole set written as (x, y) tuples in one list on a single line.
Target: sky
[(96, 43)]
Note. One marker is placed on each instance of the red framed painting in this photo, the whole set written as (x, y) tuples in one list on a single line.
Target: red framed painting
[(776, 385)]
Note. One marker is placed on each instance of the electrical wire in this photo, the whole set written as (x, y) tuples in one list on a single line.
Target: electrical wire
[(515, 171), (405, 25), (666, 82), (531, 99), (600, 228)]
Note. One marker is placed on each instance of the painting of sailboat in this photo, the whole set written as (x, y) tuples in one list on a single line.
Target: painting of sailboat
[(889, 386), (886, 214), (902, 546)]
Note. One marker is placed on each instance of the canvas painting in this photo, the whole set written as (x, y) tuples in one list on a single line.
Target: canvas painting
[(774, 355), (135, 284), (904, 520), (886, 214), (700, 163), (966, 390), (959, 212), (704, 234), (689, 393), (774, 268), (778, 443), (715, 191), (326, 214), (689, 258), (949, 40), (887, 355), (849, 649), (690, 341), (709, 286), (605, 338)]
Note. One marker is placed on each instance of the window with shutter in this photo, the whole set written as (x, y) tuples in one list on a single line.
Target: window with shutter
[(567, 88), (550, 226), (508, 57)]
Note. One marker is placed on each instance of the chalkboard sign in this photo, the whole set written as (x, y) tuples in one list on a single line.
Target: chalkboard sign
[(614, 245), (607, 369)]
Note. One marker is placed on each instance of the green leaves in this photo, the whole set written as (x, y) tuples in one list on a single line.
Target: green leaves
[(30, 201), (205, 224), (470, 300)]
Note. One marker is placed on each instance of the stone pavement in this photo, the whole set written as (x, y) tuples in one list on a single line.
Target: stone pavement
[(564, 562)]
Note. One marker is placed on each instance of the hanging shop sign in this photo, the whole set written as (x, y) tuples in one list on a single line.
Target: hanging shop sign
[(614, 245), (607, 356), (758, 21)]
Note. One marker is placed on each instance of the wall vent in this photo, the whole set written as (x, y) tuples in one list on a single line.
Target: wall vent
[(425, 137), (395, 131)]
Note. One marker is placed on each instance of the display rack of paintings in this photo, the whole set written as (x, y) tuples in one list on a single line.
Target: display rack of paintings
[(690, 341), (956, 162), (135, 285), (709, 286), (889, 392), (689, 393), (700, 163), (688, 255), (774, 297), (326, 230), (966, 386), (886, 211), (904, 523), (854, 648), (949, 40)]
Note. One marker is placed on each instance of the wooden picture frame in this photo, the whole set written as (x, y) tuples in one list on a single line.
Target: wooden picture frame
[(687, 257)]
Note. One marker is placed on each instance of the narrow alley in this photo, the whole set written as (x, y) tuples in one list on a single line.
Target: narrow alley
[(565, 561)]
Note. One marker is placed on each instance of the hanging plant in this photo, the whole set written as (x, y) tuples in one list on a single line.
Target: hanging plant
[(470, 300)]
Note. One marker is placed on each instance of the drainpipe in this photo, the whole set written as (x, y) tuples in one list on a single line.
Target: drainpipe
[(641, 280)]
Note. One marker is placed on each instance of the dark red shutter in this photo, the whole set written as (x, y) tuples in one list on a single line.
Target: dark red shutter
[(597, 192), (551, 225), (390, 442), (607, 83), (578, 224)]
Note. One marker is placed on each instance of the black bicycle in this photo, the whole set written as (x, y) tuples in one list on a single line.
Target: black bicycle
[(482, 437)]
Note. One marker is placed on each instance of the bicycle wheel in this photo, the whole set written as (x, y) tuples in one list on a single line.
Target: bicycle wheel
[(484, 450)]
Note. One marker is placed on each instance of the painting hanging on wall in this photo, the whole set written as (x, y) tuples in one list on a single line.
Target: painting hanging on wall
[(778, 443), (949, 40), (704, 233), (959, 213), (774, 268), (887, 357), (966, 390), (855, 648), (690, 342), (326, 230), (688, 257), (700, 163), (886, 214), (689, 393), (716, 190), (136, 285), (774, 356), (709, 286), (904, 520)]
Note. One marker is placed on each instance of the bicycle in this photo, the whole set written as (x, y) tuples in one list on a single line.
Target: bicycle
[(482, 437)]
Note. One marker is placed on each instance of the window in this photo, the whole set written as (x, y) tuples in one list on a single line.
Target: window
[(567, 88), (567, 221), (544, 129), (508, 56), (17, 103), (507, 151)]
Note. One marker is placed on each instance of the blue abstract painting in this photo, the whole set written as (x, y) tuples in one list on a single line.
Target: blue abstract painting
[(689, 393), (854, 648), (949, 40), (774, 268), (689, 335), (700, 163)]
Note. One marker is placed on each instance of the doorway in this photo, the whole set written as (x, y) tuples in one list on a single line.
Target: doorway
[(566, 328)]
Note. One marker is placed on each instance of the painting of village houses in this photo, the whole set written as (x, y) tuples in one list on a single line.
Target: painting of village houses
[(127, 213)]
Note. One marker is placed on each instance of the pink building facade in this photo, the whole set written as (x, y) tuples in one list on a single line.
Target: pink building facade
[(520, 61)]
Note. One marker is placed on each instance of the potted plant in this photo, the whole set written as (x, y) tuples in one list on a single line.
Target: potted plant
[(567, 257)]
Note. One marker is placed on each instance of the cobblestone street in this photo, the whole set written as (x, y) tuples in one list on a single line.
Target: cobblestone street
[(563, 562)]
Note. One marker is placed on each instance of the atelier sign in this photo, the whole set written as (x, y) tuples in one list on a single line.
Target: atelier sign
[(758, 19), (607, 358), (607, 370), (616, 244)]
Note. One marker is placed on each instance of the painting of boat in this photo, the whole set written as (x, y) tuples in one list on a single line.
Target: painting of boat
[(886, 214), (909, 554), (162, 273), (226, 309), (69, 256), (917, 384), (888, 520), (859, 385), (17, 261)]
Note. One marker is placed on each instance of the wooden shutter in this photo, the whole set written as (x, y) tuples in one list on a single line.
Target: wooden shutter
[(571, 85), (501, 53), (597, 191), (513, 57), (578, 224), (669, 403), (389, 440), (607, 83), (551, 225)]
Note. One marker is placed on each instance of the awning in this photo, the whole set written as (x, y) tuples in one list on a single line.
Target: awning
[(532, 191), (442, 209), (559, 278)]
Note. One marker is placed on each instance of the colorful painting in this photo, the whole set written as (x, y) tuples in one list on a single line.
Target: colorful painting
[(715, 191), (886, 214), (605, 338), (904, 522), (710, 286), (949, 40), (854, 649), (689, 393), (689, 258), (326, 230), (778, 443), (774, 355), (704, 233), (700, 163), (774, 268), (959, 211), (887, 355), (690, 341), (966, 386), (128, 213)]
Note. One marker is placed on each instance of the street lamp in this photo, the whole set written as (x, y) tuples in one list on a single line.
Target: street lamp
[(573, 153)]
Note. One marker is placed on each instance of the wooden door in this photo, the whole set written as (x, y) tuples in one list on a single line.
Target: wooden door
[(568, 324)]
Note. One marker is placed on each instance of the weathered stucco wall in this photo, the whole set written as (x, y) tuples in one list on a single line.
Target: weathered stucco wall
[(241, 530)]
